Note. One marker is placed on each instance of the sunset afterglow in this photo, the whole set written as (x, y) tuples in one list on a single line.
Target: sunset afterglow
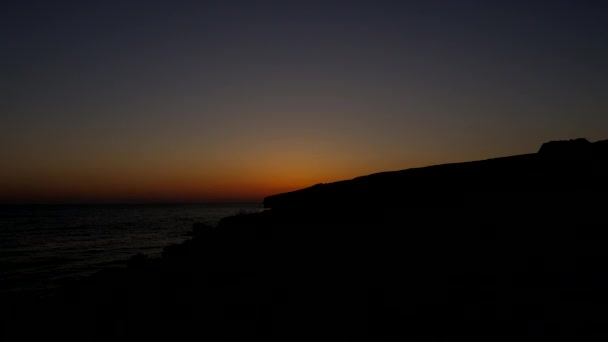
[(237, 100)]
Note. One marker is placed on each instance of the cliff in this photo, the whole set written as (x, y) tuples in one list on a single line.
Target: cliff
[(557, 168)]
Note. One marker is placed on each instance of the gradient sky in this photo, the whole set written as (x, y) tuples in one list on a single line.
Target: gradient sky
[(235, 100)]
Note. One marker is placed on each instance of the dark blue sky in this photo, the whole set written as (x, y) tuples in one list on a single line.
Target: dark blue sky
[(239, 99)]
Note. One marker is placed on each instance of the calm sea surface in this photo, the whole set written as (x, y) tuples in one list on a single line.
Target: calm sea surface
[(43, 247)]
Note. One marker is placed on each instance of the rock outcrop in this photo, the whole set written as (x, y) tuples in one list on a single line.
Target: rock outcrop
[(580, 145)]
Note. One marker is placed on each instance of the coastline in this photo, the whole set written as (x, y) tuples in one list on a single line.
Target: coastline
[(482, 264)]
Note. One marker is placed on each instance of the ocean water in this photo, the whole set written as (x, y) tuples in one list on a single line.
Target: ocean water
[(44, 247)]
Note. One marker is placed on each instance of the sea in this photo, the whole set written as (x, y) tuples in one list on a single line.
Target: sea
[(44, 247)]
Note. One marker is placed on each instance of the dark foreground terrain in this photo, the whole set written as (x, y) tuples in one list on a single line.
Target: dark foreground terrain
[(501, 249)]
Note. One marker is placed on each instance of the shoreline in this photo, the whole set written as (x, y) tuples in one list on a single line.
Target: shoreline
[(509, 258)]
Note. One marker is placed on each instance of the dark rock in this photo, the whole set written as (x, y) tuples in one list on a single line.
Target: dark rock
[(200, 229), (565, 146), (139, 260)]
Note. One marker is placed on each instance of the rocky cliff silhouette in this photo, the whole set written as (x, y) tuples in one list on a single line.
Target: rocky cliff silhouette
[(502, 249), (559, 168)]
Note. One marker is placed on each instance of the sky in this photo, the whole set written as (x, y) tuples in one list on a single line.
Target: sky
[(213, 101)]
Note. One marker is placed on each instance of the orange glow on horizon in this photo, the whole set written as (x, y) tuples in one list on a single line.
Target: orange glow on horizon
[(194, 173), (180, 188)]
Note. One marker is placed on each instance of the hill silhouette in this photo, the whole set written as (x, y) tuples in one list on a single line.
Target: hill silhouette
[(499, 249), (559, 167)]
